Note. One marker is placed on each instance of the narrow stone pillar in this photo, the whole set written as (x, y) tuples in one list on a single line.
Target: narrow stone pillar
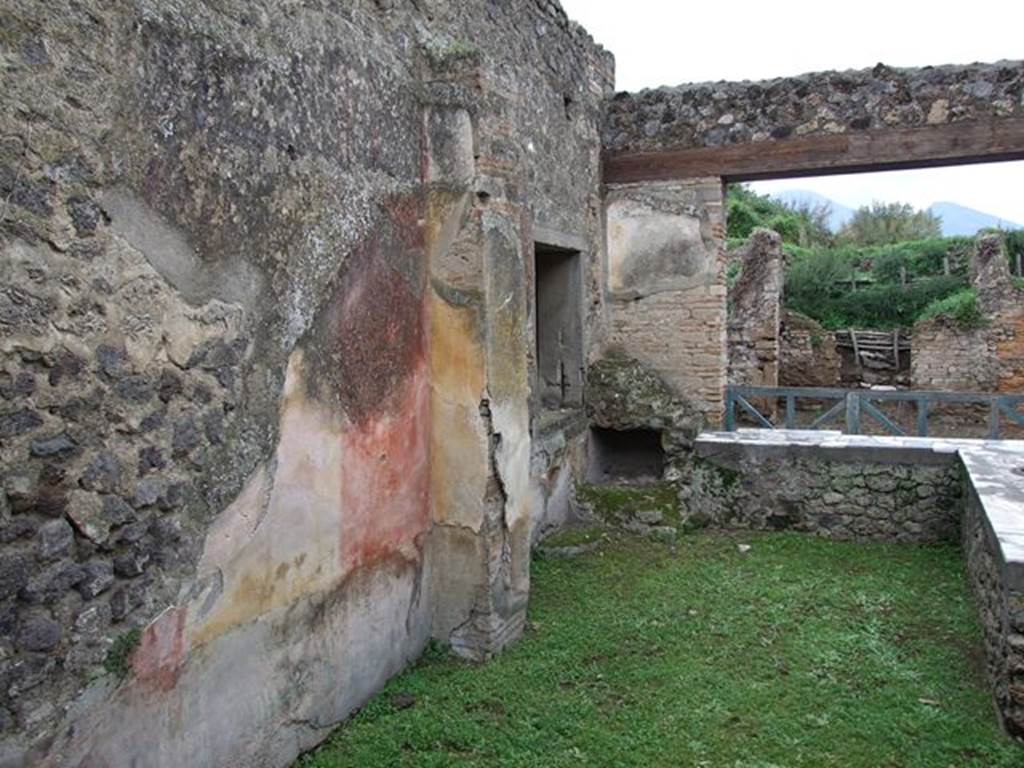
[(479, 390), (990, 275), (755, 311)]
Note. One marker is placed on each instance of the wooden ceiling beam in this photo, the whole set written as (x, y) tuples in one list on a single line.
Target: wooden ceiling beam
[(968, 141)]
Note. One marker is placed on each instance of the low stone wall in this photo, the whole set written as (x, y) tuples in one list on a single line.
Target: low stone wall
[(807, 353), (850, 496), (1001, 614), (994, 549), (883, 488)]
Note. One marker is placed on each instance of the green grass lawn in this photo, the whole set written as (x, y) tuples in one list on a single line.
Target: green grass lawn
[(801, 652)]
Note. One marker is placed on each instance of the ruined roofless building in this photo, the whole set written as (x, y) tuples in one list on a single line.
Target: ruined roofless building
[(297, 302)]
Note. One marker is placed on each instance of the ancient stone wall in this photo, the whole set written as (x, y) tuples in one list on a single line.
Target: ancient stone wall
[(807, 353), (1001, 610), (755, 311), (987, 356), (666, 285), (818, 104), (837, 499), (252, 253), (947, 357)]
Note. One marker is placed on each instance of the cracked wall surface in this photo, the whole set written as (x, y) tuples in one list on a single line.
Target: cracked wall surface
[(265, 334)]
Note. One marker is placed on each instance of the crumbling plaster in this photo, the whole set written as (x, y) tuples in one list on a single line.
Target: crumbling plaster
[(267, 315)]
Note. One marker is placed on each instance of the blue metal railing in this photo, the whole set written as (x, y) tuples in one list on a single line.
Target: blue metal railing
[(852, 404)]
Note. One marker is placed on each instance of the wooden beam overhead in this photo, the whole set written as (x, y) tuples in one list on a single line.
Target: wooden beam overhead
[(969, 141)]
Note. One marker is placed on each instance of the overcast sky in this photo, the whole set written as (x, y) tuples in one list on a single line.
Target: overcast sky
[(667, 42)]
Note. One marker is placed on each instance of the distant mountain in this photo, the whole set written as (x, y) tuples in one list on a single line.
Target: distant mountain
[(837, 218), (956, 219), (961, 220)]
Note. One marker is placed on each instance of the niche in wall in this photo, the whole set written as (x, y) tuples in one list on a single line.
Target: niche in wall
[(633, 455), (559, 327)]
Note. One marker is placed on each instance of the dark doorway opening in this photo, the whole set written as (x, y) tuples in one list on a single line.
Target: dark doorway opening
[(633, 455), (559, 327)]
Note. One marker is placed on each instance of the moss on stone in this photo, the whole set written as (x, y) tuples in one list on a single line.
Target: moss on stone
[(617, 503)]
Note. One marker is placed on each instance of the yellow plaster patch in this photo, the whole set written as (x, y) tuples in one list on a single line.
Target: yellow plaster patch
[(459, 460), (271, 559)]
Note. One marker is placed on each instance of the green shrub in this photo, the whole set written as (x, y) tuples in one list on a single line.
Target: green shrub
[(886, 266), (118, 661), (960, 307), (1014, 247), (741, 219), (819, 287), (796, 224), (787, 225), (732, 273)]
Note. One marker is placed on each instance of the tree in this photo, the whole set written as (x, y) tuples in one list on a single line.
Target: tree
[(886, 223)]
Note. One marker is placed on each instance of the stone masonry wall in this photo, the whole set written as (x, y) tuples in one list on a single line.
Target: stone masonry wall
[(985, 358), (666, 286), (251, 253), (755, 311), (822, 103), (807, 353), (946, 357), (1001, 610), (858, 499)]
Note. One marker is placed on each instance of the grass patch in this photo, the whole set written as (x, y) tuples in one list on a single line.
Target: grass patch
[(802, 652), (575, 536)]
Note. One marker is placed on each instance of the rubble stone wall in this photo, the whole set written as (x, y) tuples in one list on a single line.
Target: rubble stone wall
[(808, 356), (856, 499), (816, 104), (755, 312), (1001, 611), (988, 356), (252, 252)]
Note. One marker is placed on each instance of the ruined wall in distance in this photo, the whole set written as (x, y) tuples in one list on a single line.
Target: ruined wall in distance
[(807, 353), (987, 356), (755, 311)]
